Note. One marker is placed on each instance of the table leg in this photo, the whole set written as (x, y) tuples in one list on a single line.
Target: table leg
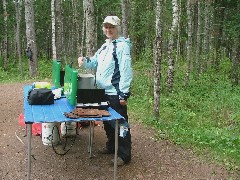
[(116, 150), (89, 137), (29, 140), (91, 131)]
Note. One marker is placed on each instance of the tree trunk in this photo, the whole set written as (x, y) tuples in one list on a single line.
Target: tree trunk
[(178, 30), (59, 31), (54, 51), (5, 39), (170, 79), (157, 57), (76, 23), (236, 56), (189, 42), (197, 62), (90, 38), (31, 38), (82, 47), (218, 30), (91, 28), (124, 19), (236, 62), (18, 8), (206, 37)]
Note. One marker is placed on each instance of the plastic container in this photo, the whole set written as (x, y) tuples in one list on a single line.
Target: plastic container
[(70, 84), (56, 74), (38, 85), (50, 133), (68, 129)]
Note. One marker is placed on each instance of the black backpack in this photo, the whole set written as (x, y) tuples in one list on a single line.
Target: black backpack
[(41, 96)]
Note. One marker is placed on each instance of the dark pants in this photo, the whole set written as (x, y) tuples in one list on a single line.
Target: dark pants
[(124, 144)]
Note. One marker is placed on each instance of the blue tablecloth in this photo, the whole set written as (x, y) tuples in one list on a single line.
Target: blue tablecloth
[(55, 112)]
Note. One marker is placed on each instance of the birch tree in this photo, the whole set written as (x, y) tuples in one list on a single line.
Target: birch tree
[(76, 24), (82, 48), (197, 61), (54, 53), (18, 8), (206, 37), (219, 13), (59, 30), (124, 19), (189, 42), (178, 31), (31, 38), (91, 28), (170, 78), (157, 57), (236, 49), (236, 62), (5, 42)]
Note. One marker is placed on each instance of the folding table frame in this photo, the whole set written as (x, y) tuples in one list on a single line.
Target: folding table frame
[(55, 113)]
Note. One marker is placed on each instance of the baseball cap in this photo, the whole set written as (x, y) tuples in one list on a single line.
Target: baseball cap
[(114, 20)]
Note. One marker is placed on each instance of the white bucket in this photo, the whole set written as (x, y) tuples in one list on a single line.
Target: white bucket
[(50, 133), (68, 129)]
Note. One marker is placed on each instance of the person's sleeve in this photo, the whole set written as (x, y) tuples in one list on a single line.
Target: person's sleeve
[(125, 72), (91, 62)]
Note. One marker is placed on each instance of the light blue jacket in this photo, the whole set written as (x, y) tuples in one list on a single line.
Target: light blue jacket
[(112, 63)]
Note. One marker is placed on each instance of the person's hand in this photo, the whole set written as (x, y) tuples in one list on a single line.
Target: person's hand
[(80, 61), (123, 102)]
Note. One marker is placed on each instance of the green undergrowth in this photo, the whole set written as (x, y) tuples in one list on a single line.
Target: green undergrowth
[(13, 73), (205, 116)]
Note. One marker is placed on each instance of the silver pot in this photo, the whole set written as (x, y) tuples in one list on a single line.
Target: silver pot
[(86, 81)]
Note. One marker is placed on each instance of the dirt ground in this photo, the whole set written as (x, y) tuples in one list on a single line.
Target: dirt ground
[(150, 159)]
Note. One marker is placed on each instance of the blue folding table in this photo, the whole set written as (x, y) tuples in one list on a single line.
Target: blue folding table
[(55, 113)]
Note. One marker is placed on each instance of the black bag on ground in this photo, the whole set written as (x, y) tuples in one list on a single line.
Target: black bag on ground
[(40, 96)]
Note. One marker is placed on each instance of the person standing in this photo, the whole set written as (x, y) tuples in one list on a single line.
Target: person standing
[(112, 63)]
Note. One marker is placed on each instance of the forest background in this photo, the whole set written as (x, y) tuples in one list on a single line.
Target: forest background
[(185, 57)]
